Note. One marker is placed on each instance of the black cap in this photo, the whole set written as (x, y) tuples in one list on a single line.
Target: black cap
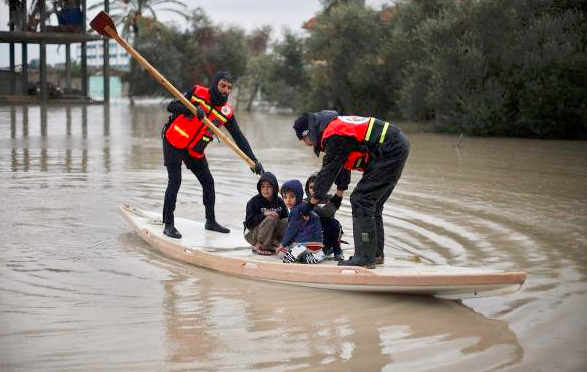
[(301, 125), (223, 75)]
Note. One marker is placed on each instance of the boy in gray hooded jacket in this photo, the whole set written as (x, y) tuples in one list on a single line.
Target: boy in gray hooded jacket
[(266, 216)]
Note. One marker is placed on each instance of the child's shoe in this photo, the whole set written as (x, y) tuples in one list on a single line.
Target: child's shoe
[(281, 252), (294, 254), (308, 258), (313, 258)]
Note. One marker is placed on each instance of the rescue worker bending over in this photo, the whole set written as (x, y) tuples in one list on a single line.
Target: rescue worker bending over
[(185, 138), (372, 146)]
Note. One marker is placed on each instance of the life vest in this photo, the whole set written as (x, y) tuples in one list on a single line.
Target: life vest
[(364, 130), (194, 134)]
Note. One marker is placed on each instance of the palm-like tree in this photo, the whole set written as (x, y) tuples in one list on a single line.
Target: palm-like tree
[(134, 14), (131, 13)]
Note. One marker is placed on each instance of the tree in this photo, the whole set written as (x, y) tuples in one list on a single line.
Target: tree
[(343, 46), (257, 63), (286, 81)]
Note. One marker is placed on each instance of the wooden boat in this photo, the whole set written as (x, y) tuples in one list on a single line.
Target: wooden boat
[(403, 273)]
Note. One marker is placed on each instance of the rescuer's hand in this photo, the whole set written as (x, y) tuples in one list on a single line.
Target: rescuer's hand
[(258, 168), (200, 113), (306, 208)]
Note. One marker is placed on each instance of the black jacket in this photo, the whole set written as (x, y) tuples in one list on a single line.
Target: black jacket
[(258, 205), (328, 206)]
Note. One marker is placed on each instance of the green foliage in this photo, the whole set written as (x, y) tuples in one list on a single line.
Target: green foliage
[(495, 67), (547, 67), (345, 42), (286, 81), (157, 45)]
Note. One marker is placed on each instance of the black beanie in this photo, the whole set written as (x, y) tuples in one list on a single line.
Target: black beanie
[(223, 75), (301, 124), (217, 98)]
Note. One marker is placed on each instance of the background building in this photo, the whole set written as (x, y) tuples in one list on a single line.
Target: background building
[(119, 58)]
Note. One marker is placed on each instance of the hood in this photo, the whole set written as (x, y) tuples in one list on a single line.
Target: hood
[(307, 187), (215, 96), (269, 177), (317, 122), (296, 187)]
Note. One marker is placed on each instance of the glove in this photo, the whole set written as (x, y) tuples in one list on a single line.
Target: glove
[(200, 113), (306, 208), (336, 200), (258, 168)]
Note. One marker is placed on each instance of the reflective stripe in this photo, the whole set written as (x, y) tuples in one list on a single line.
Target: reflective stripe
[(201, 102), (358, 162), (209, 108), (385, 127), (219, 115), (371, 121), (181, 131)]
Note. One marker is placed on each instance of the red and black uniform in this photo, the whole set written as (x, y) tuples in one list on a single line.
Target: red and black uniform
[(376, 148), (185, 138)]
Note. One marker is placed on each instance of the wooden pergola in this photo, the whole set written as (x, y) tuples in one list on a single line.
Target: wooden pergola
[(18, 33)]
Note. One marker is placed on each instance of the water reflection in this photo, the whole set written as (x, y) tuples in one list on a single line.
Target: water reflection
[(221, 323), (56, 136)]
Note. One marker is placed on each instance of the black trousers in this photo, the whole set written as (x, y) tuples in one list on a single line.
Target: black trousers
[(371, 193), (173, 159), (331, 231)]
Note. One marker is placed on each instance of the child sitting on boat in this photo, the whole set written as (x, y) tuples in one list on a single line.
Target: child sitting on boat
[(331, 228), (302, 240), (266, 216)]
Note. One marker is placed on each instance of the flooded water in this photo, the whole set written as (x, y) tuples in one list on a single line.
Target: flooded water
[(80, 291)]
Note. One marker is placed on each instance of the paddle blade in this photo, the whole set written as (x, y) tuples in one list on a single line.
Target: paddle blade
[(104, 25)]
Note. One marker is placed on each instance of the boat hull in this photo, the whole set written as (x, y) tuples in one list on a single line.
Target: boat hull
[(402, 274)]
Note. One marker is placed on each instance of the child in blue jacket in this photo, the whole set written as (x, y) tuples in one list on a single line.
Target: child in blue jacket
[(302, 240)]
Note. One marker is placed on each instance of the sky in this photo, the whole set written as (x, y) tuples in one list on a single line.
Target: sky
[(247, 14)]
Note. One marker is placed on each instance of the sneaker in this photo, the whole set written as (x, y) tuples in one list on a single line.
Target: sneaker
[(294, 254), (308, 258), (327, 251), (215, 226), (313, 257), (380, 260), (338, 256), (282, 252), (171, 231)]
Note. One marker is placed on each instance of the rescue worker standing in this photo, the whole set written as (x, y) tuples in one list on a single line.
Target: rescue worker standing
[(184, 139), (372, 146)]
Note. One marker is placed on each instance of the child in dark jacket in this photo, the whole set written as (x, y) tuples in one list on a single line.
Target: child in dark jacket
[(266, 216), (302, 240), (331, 228)]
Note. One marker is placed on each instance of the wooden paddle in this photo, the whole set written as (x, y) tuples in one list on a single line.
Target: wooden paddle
[(104, 25)]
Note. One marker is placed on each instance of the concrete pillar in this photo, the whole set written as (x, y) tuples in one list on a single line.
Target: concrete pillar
[(68, 66), (24, 52), (106, 60), (11, 75), (43, 57), (25, 69), (84, 61)]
